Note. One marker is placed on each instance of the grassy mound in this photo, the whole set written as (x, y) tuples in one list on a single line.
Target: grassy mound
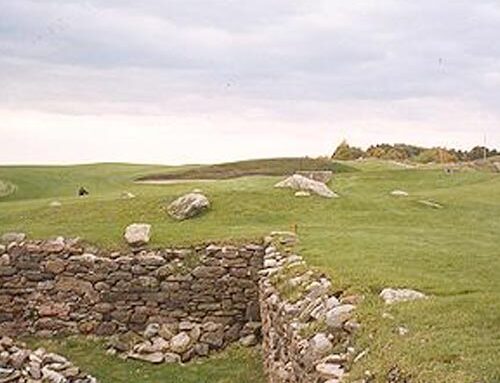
[(266, 167)]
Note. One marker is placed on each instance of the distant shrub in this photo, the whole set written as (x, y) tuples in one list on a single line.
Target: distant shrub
[(437, 155), (346, 152)]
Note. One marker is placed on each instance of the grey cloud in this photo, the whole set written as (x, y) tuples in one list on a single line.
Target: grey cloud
[(119, 52)]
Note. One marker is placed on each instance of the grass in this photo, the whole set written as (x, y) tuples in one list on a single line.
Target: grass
[(233, 365), (366, 240)]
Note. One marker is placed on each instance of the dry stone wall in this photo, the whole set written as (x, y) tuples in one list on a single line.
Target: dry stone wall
[(206, 297), (170, 305), (307, 327)]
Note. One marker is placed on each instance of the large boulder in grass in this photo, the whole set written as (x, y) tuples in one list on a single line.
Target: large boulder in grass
[(298, 182), (138, 234), (188, 206)]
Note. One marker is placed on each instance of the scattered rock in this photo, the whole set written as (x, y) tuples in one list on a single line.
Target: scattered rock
[(431, 204), (399, 193), (391, 296), (188, 206), (17, 361), (298, 182), (155, 357), (55, 204), (402, 330), (138, 234), (302, 193), (127, 195), (13, 237)]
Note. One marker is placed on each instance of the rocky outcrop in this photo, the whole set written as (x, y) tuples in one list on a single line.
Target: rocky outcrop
[(298, 182), (179, 303), (138, 234), (21, 365), (307, 328), (188, 206)]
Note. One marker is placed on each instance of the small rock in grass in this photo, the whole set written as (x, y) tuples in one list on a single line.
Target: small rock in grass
[(399, 193), (155, 358), (391, 296), (402, 330), (55, 204), (138, 234), (127, 195), (13, 237), (302, 193), (431, 204)]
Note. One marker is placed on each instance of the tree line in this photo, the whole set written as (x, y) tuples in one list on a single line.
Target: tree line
[(403, 152)]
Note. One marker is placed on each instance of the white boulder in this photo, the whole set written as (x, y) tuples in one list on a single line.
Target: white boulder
[(298, 182), (138, 234), (188, 206)]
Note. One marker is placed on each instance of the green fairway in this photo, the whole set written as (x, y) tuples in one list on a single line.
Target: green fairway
[(365, 240)]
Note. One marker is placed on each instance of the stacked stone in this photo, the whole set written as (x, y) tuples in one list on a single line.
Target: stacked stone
[(172, 343), (18, 364), (208, 294), (307, 339)]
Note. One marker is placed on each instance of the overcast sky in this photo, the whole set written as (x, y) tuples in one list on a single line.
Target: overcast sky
[(189, 81)]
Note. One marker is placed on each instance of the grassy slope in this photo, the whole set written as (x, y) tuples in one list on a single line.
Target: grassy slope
[(265, 167), (365, 240)]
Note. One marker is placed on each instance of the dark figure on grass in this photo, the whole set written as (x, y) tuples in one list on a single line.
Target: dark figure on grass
[(82, 192)]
